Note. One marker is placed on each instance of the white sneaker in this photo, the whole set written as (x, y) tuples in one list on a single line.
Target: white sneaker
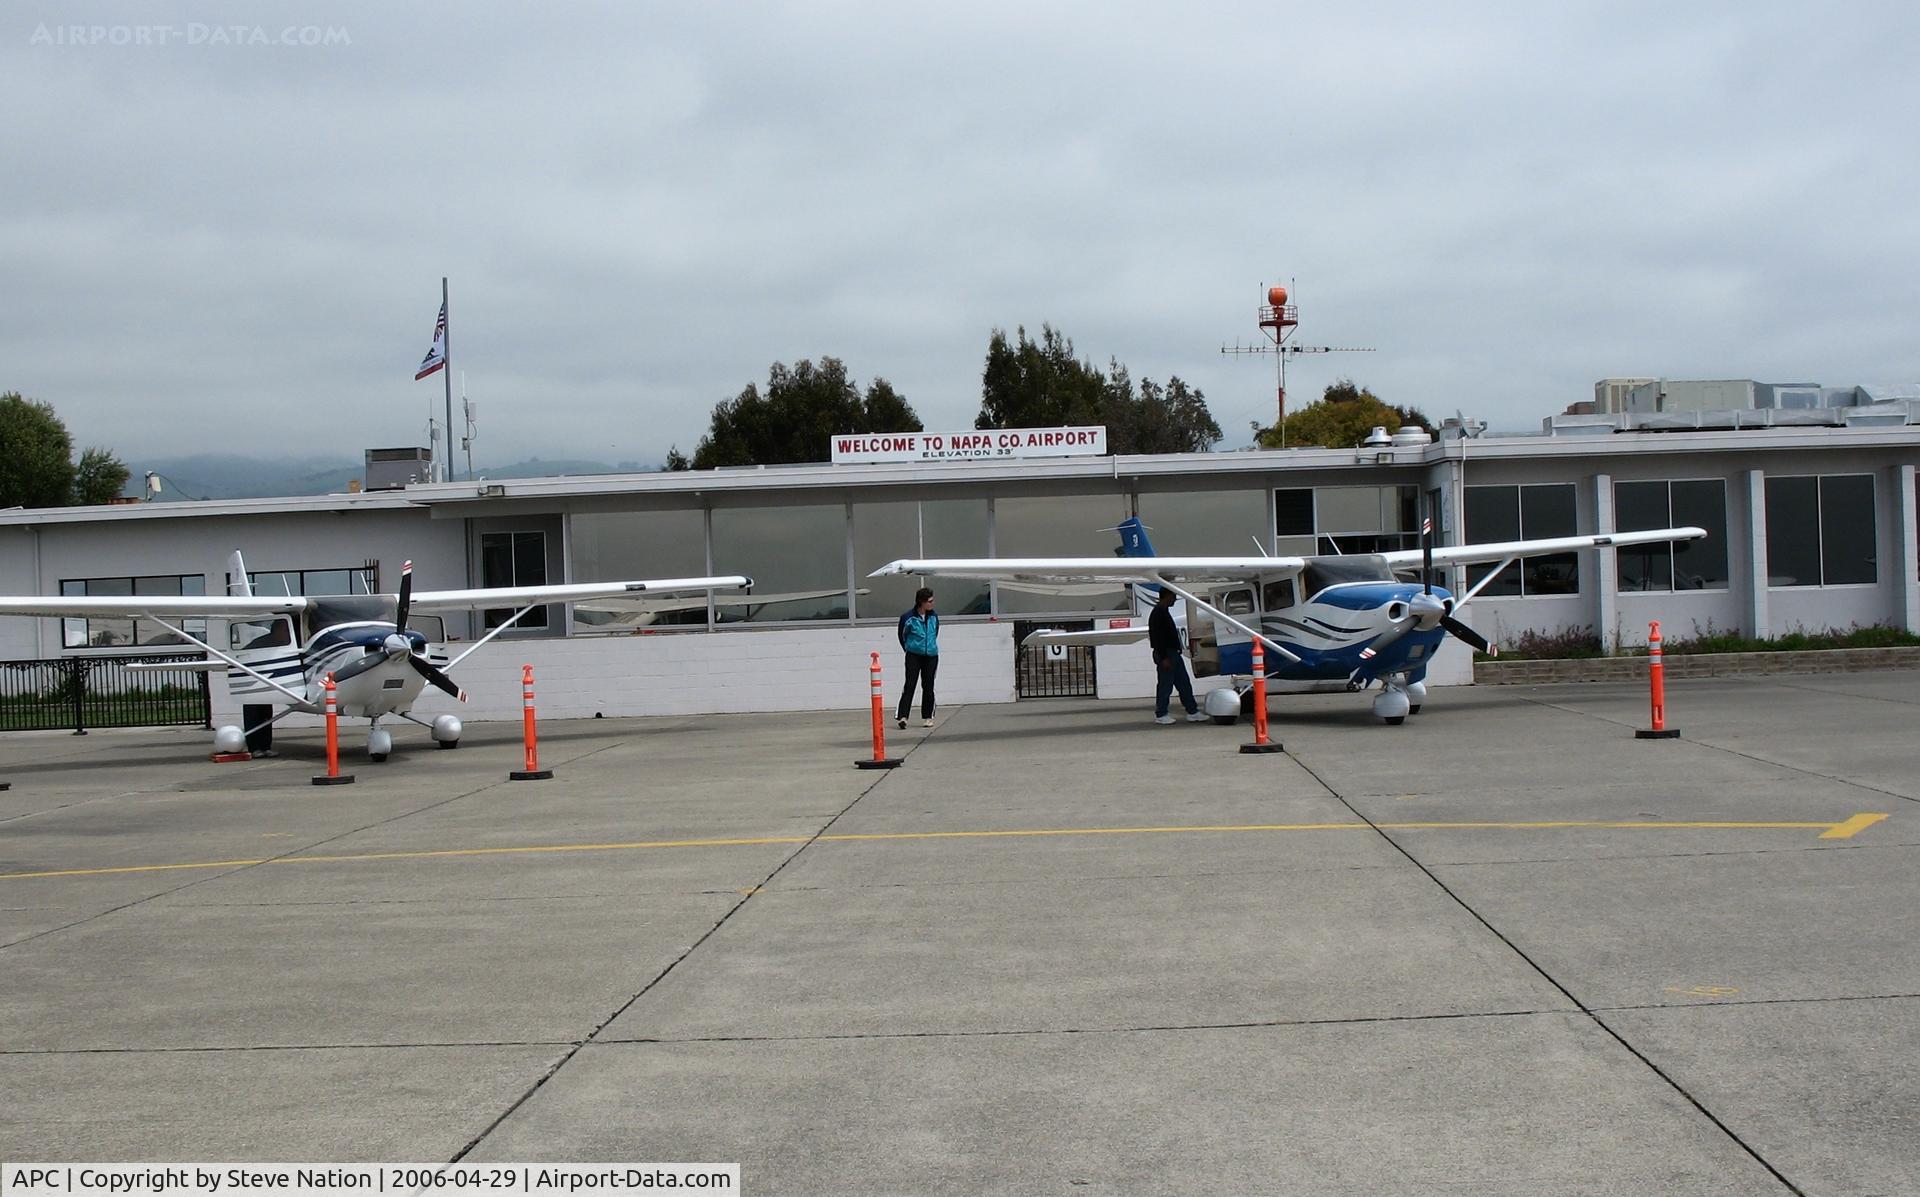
[(1163, 718), (926, 723), (1196, 716)]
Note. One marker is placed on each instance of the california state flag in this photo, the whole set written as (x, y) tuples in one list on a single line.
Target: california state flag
[(436, 358)]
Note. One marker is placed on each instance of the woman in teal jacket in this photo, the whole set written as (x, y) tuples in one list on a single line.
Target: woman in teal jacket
[(920, 636)]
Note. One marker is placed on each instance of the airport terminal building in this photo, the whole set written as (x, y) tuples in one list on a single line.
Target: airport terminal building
[(1811, 525)]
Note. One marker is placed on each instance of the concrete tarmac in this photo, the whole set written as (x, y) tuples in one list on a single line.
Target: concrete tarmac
[(1505, 948)]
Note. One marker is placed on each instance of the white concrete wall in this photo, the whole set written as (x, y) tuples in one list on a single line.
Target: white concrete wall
[(689, 673)]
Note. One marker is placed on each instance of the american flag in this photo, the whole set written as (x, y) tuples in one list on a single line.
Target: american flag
[(436, 358)]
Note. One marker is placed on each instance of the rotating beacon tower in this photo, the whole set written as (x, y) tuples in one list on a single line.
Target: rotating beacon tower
[(1279, 320)]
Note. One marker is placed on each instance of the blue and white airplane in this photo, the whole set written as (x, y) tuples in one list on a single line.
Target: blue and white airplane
[(1325, 622), (281, 648)]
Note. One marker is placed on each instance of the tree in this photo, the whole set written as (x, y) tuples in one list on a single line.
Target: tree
[(1038, 384), (1344, 416), (1169, 419), (676, 460), (1041, 384), (36, 468), (798, 416), (99, 478)]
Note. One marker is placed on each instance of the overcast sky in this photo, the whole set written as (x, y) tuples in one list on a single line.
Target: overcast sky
[(210, 243)]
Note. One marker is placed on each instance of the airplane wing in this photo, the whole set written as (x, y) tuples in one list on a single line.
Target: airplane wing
[(186, 606), (1113, 571), (1098, 636), (526, 596), (1473, 554)]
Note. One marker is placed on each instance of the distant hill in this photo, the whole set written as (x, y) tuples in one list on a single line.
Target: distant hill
[(227, 476)]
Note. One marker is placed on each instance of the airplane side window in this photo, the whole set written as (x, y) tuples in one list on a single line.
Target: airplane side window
[(1237, 602), (264, 633), (1278, 594)]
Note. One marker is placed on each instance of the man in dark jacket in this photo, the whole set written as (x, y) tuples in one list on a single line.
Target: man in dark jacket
[(920, 637), (1164, 639)]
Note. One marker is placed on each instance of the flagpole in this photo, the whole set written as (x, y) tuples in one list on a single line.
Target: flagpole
[(446, 372)]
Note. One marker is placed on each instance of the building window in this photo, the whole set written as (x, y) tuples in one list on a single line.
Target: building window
[(1060, 526), (128, 633), (957, 528), (1821, 531), (513, 559), (295, 583), (799, 552), (1686, 565), (629, 546), (1501, 513), (1207, 523)]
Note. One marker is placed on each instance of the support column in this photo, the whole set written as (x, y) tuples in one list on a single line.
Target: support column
[(1906, 549), (1606, 586), (1758, 625)]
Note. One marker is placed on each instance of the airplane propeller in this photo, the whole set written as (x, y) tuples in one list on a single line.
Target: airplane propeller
[(1430, 612), (398, 645)]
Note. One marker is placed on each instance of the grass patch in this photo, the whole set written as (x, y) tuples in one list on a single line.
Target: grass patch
[(1581, 643)]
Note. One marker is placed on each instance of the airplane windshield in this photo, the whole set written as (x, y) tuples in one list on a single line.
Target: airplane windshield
[(1322, 572), (339, 608)]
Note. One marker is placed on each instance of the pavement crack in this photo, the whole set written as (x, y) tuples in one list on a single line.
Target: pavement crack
[(1143, 1029), (1550, 979), (1708, 744), (748, 896)]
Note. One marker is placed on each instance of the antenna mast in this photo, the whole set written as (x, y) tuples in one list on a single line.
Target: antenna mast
[(1279, 320)]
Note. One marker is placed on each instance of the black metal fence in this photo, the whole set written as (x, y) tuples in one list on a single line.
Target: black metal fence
[(1062, 671), (84, 692)]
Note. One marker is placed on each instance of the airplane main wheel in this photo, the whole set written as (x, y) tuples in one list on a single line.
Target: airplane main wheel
[(1395, 720), (1414, 709)]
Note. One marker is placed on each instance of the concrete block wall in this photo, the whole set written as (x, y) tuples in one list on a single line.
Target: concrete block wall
[(778, 669)]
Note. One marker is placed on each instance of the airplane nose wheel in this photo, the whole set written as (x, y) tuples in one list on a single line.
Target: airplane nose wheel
[(379, 743), (1392, 704)]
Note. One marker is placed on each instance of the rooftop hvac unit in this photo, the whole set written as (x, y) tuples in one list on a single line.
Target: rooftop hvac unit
[(391, 469)]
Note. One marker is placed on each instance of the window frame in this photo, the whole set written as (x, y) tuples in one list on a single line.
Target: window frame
[(1672, 559), (1820, 529), (196, 627)]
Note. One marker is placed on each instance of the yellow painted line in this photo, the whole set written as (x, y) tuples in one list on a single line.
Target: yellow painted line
[(1847, 830), (1842, 830)]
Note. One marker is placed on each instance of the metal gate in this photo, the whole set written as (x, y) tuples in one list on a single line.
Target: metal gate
[(1059, 671), (84, 692)]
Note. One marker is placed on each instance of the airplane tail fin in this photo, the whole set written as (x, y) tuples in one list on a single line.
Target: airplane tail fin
[(1134, 543), (237, 584), (1133, 538)]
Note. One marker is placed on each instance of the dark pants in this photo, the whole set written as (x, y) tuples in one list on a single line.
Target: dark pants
[(919, 669), (250, 714), (1172, 673)]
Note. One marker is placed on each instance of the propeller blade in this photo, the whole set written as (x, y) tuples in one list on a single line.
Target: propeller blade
[(356, 668), (438, 677), (406, 596), (1469, 635), (1388, 637), (1426, 550)]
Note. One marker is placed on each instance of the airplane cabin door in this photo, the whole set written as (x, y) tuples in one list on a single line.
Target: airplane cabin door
[(1210, 640)]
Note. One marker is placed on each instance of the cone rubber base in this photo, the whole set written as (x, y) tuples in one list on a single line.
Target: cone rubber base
[(344, 779), (535, 775), (1269, 746), (1648, 733), (891, 762)]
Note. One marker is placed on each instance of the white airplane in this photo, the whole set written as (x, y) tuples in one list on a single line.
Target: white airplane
[(282, 648), (1325, 622)]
